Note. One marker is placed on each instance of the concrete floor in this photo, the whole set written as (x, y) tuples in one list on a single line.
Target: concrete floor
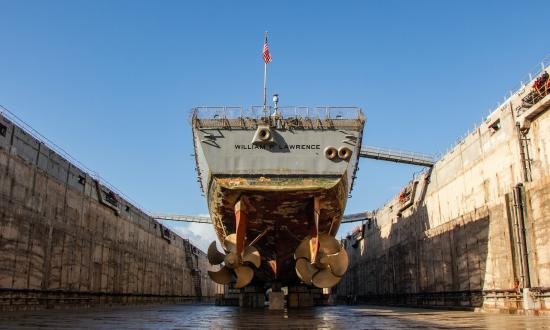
[(205, 316)]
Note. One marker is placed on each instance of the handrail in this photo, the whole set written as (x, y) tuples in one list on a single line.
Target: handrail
[(356, 217), (398, 152), (217, 112), (202, 219), (398, 156), (339, 112), (260, 111), (181, 217)]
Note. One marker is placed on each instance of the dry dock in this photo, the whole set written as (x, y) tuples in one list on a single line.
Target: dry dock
[(471, 232)]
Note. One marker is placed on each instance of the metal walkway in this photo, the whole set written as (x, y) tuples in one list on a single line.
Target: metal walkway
[(181, 217), (397, 156), (356, 217), (191, 218)]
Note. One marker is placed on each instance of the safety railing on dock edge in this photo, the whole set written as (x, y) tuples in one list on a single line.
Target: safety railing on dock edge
[(258, 112), (6, 113), (39, 137), (525, 83), (537, 90)]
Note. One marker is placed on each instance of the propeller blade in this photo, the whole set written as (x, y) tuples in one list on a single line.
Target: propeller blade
[(251, 254), (222, 276), (230, 243), (214, 256), (325, 279), (338, 263), (305, 270), (328, 244), (244, 276), (302, 251)]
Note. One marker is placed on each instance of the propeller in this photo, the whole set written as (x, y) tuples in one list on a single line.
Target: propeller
[(329, 266), (234, 264)]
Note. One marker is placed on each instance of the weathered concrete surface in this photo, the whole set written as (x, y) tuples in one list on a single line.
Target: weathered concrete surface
[(454, 237), (210, 317), (61, 245)]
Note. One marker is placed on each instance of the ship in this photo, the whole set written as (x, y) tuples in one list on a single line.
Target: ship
[(276, 180)]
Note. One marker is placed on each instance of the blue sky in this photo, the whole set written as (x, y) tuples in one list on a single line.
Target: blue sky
[(112, 82)]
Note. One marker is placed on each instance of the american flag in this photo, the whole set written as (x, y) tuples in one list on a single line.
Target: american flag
[(267, 56)]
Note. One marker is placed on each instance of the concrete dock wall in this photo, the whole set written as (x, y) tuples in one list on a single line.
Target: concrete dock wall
[(67, 239), (474, 231)]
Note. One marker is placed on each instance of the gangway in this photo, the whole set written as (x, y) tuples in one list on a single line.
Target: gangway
[(356, 217), (182, 217), (201, 219), (397, 156)]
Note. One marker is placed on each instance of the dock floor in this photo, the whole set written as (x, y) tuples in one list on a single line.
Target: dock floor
[(214, 317)]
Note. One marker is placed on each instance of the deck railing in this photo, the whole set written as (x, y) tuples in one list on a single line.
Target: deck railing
[(258, 112)]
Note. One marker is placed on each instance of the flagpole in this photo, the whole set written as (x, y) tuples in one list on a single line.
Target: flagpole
[(265, 82)]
